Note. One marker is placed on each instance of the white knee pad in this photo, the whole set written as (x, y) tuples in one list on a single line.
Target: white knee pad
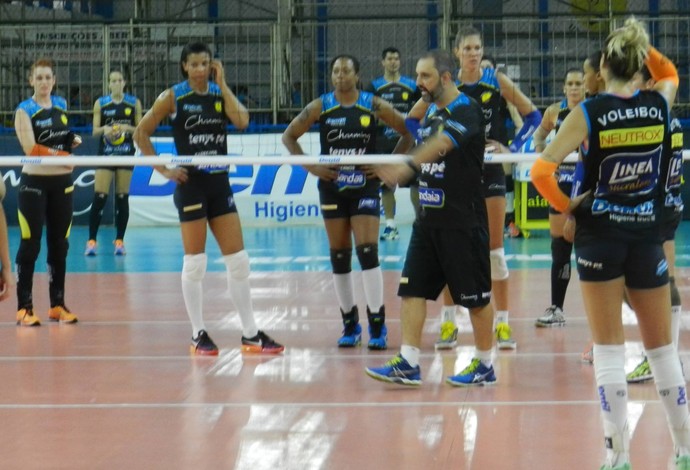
[(499, 267), (3, 188), (238, 265), (194, 267)]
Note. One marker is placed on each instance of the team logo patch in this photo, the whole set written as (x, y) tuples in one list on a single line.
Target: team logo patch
[(631, 137), (63, 118), (218, 106), (677, 140), (432, 198), (365, 121), (367, 203), (405, 95), (128, 111), (628, 173), (486, 96), (350, 179)]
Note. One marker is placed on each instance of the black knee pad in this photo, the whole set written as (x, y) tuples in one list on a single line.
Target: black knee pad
[(368, 256), (560, 253), (98, 203), (122, 205), (122, 201), (341, 260), (675, 295)]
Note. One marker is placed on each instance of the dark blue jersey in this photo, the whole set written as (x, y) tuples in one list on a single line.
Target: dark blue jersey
[(200, 124), (487, 93), (49, 124), (402, 94), (113, 113), (623, 163), (566, 171), (348, 131), (450, 189)]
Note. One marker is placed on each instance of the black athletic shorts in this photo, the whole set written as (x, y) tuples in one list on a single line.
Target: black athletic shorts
[(459, 258), (494, 180), (336, 204), (115, 168), (204, 195), (641, 262), (670, 225)]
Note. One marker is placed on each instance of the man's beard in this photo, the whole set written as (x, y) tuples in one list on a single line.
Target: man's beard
[(432, 95)]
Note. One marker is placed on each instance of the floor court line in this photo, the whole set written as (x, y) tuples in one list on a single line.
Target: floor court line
[(118, 390)]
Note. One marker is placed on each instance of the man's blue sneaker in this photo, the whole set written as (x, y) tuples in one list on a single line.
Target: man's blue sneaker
[(352, 336), (474, 374), (381, 342), (396, 371), (390, 233)]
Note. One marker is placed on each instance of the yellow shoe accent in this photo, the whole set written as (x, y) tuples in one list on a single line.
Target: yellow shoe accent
[(504, 336), (26, 317), (448, 337), (62, 314)]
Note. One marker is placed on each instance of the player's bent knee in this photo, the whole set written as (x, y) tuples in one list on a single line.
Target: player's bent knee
[(194, 267), (341, 260), (368, 255), (499, 267), (238, 265)]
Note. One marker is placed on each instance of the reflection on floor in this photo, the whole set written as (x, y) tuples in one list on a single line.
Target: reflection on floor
[(119, 390)]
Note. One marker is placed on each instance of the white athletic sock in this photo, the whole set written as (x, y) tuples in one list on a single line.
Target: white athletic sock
[(675, 324), (344, 291), (484, 356), (609, 369), (501, 316), (192, 293), (670, 384), (510, 202), (390, 223), (448, 314), (410, 354), (373, 288), (240, 292)]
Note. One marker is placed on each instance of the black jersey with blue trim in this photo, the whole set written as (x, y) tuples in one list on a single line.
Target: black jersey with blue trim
[(49, 124), (113, 113), (402, 94), (623, 160), (487, 92), (672, 171), (199, 124), (348, 131), (450, 189), (566, 171)]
